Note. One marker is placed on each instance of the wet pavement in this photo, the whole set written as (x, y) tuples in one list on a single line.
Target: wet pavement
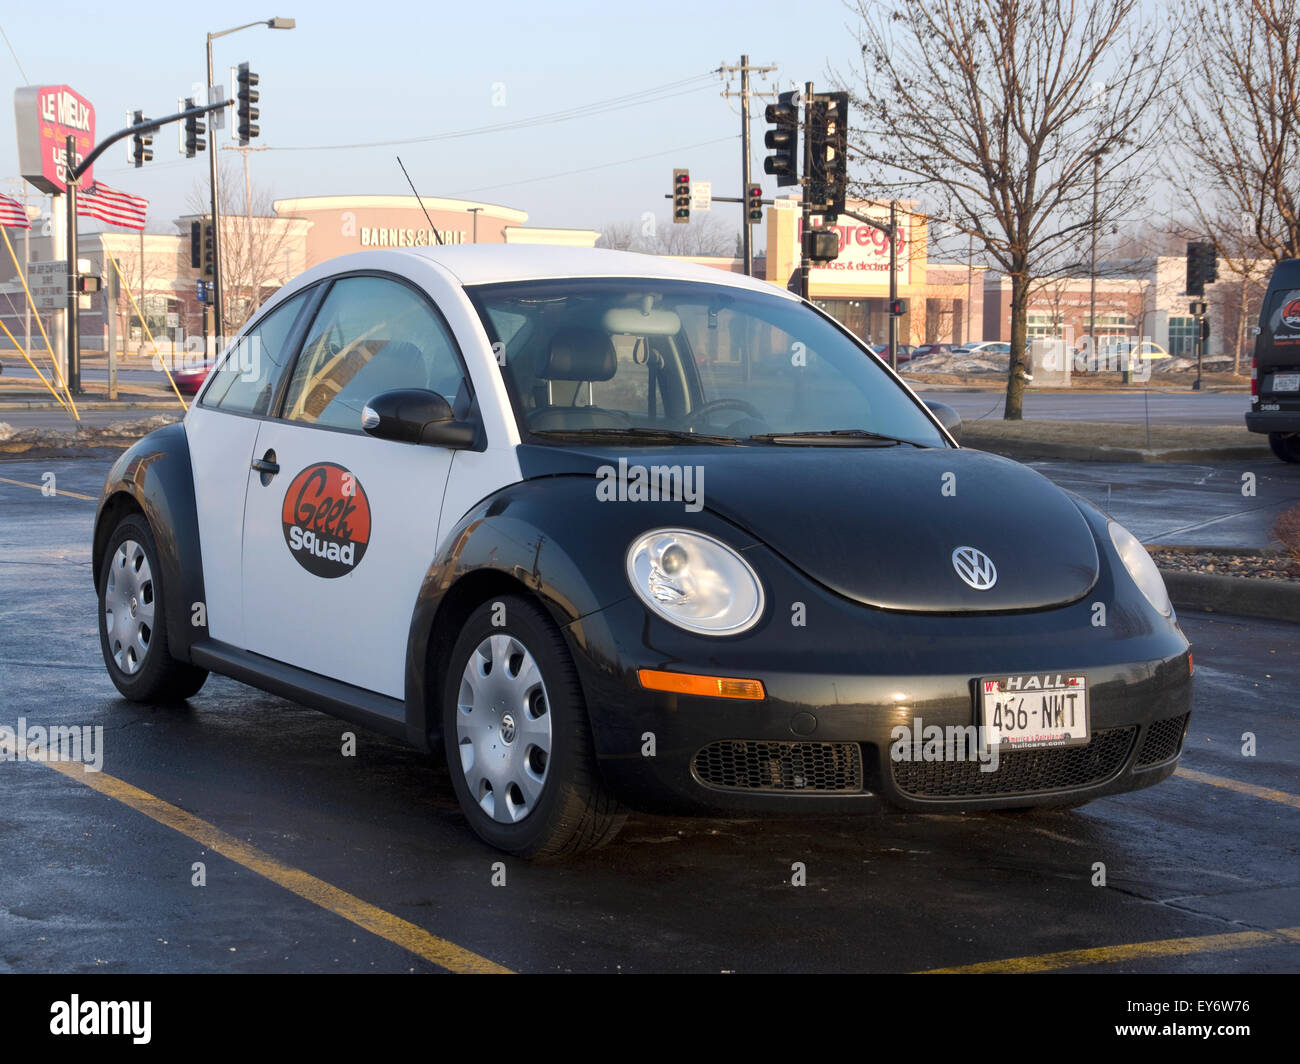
[(90, 884)]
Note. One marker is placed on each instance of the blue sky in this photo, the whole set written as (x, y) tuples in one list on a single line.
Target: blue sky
[(379, 70)]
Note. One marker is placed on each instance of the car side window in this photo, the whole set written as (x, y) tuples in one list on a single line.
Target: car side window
[(246, 380), (371, 335)]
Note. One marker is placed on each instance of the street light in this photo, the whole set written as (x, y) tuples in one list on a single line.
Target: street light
[(1092, 268), (218, 289)]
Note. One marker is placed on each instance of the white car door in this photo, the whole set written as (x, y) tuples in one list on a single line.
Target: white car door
[(337, 541), (221, 429)]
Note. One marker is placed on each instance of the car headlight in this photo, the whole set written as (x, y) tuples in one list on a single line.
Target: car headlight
[(695, 581), (1140, 567)]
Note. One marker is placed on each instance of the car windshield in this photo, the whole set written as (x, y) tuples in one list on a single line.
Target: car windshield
[(615, 357)]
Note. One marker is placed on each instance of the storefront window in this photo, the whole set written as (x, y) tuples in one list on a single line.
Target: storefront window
[(1182, 337)]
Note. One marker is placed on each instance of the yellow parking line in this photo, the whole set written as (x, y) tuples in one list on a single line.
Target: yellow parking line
[(1169, 947), (1241, 788), (41, 487), (366, 916)]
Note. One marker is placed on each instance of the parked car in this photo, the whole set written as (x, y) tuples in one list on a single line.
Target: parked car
[(1117, 356), (984, 347), (618, 531), (190, 378), (1275, 367), (932, 349), (905, 352)]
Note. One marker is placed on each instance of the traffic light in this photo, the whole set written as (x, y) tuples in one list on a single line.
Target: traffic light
[(205, 250), (1202, 267), (87, 285), (141, 143), (194, 130), (828, 151), (821, 245), (247, 95), (754, 204), (681, 197), (783, 139), (896, 308), (196, 245)]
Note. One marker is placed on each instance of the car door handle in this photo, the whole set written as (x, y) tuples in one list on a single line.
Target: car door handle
[(267, 466)]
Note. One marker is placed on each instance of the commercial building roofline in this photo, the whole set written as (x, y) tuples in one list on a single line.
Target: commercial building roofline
[(307, 204)]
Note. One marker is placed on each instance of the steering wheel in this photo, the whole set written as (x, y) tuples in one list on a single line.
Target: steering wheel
[(714, 405)]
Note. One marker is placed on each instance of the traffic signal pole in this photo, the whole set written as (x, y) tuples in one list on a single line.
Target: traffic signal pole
[(805, 263), (218, 313), (893, 285), (73, 176), (746, 236)]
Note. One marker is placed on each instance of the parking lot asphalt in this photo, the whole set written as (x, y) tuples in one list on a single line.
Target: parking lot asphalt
[(1215, 504), (312, 861)]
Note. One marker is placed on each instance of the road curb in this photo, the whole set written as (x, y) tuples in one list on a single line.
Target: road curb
[(1078, 452), (89, 404), (1273, 600)]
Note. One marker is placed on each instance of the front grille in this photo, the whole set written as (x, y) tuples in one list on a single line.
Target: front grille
[(1163, 740), (1020, 771), (760, 766)]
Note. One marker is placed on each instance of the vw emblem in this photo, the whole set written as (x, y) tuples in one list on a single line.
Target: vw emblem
[(975, 568), (507, 729)]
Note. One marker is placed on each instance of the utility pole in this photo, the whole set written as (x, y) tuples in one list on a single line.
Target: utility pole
[(893, 284), (218, 289), (1092, 268), (744, 69), (805, 263)]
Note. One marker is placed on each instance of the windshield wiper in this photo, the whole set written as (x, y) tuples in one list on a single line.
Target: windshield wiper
[(638, 434), (840, 437)]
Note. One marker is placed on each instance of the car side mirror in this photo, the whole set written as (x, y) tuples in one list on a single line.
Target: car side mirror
[(948, 418), (416, 415)]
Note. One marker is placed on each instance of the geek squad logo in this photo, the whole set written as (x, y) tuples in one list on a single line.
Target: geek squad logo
[(326, 519), (1291, 314)]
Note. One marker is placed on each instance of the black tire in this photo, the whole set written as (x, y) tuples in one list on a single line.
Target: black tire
[(572, 812), (147, 672), (1286, 445)]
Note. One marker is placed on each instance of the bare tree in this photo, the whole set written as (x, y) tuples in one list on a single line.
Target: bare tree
[(706, 235), (254, 243), (1018, 120), (1240, 123)]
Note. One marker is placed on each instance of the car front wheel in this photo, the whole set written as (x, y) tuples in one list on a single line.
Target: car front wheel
[(518, 741), (1286, 445), (133, 620)]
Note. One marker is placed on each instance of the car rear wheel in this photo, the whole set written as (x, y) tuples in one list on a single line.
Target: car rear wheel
[(133, 620), (1286, 445), (518, 741)]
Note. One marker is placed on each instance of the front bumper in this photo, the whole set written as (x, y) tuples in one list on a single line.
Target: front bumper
[(838, 687)]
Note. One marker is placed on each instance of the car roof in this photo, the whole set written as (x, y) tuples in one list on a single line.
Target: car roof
[(475, 264)]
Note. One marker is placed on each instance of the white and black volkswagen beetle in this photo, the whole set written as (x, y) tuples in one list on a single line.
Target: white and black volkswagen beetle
[(617, 531)]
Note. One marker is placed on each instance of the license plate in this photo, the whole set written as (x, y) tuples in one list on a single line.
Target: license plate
[(1286, 382), (1034, 710)]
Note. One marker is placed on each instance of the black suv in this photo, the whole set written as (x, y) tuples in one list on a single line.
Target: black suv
[(1275, 370)]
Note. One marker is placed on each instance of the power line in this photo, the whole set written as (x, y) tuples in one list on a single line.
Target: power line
[(615, 103), (26, 79), (588, 169)]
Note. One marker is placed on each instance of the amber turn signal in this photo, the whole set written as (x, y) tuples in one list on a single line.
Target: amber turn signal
[(685, 683)]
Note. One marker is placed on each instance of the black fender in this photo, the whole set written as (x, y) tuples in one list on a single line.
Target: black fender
[(550, 537), (155, 476)]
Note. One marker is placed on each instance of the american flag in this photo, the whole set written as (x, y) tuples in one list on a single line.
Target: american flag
[(111, 206), (13, 214)]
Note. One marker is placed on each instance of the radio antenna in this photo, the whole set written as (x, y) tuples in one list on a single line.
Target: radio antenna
[(436, 235)]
